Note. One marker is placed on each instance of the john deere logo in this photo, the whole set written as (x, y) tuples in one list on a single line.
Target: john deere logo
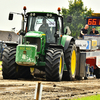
[(22, 48), (28, 48)]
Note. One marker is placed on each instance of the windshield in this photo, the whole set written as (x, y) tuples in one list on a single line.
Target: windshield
[(44, 24)]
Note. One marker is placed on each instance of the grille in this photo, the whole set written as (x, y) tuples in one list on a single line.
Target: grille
[(34, 41)]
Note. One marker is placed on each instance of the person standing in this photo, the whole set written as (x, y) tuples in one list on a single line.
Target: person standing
[(94, 31), (84, 31)]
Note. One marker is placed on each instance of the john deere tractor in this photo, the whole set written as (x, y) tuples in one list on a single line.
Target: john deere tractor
[(44, 45)]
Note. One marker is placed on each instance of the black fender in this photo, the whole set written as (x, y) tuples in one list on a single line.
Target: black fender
[(11, 43), (68, 40), (56, 46)]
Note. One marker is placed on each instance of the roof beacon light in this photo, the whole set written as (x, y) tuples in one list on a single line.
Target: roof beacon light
[(24, 8), (59, 9)]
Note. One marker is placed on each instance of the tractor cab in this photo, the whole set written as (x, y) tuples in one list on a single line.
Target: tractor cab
[(49, 24)]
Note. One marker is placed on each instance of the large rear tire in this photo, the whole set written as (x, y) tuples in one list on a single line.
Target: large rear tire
[(70, 59), (9, 66), (54, 64)]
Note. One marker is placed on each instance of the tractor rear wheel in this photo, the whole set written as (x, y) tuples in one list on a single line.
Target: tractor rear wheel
[(70, 59), (54, 64), (9, 66)]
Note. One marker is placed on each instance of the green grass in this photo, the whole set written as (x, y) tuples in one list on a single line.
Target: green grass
[(94, 97)]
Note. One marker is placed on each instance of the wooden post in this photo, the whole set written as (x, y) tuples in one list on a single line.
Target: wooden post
[(38, 91)]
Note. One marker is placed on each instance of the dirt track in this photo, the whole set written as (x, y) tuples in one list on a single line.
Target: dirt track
[(24, 89)]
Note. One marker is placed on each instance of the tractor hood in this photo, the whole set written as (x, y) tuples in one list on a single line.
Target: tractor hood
[(26, 55), (35, 34)]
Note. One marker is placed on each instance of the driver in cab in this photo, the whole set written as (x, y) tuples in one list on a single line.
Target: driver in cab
[(45, 28), (94, 31)]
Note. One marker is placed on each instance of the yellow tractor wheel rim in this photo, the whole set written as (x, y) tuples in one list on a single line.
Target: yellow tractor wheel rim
[(31, 70), (73, 62), (60, 65)]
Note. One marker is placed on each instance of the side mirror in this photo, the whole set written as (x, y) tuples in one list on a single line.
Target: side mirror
[(69, 19), (10, 16)]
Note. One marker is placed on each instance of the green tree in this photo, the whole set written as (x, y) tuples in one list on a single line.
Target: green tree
[(77, 11)]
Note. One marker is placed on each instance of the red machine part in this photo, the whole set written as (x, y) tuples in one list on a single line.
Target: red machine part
[(91, 61)]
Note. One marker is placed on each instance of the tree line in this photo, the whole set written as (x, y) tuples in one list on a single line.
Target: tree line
[(79, 13)]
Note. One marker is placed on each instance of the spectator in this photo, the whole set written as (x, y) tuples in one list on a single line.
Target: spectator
[(93, 31), (84, 31)]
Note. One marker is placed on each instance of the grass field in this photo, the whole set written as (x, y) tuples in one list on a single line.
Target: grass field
[(94, 97)]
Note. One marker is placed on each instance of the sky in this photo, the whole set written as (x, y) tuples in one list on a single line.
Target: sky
[(7, 6)]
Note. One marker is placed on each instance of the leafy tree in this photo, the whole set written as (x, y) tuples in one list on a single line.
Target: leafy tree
[(78, 13)]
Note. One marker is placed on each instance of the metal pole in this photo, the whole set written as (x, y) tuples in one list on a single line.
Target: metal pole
[(38, 91)]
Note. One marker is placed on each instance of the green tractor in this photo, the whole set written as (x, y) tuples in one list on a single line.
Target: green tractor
[(43, 45)]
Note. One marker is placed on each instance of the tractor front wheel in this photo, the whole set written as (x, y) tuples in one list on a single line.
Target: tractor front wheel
[(9, 66), (54, 64)]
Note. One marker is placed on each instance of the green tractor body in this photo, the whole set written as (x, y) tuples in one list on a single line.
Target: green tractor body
[(34, 48), (27, 54), (44, 46)]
